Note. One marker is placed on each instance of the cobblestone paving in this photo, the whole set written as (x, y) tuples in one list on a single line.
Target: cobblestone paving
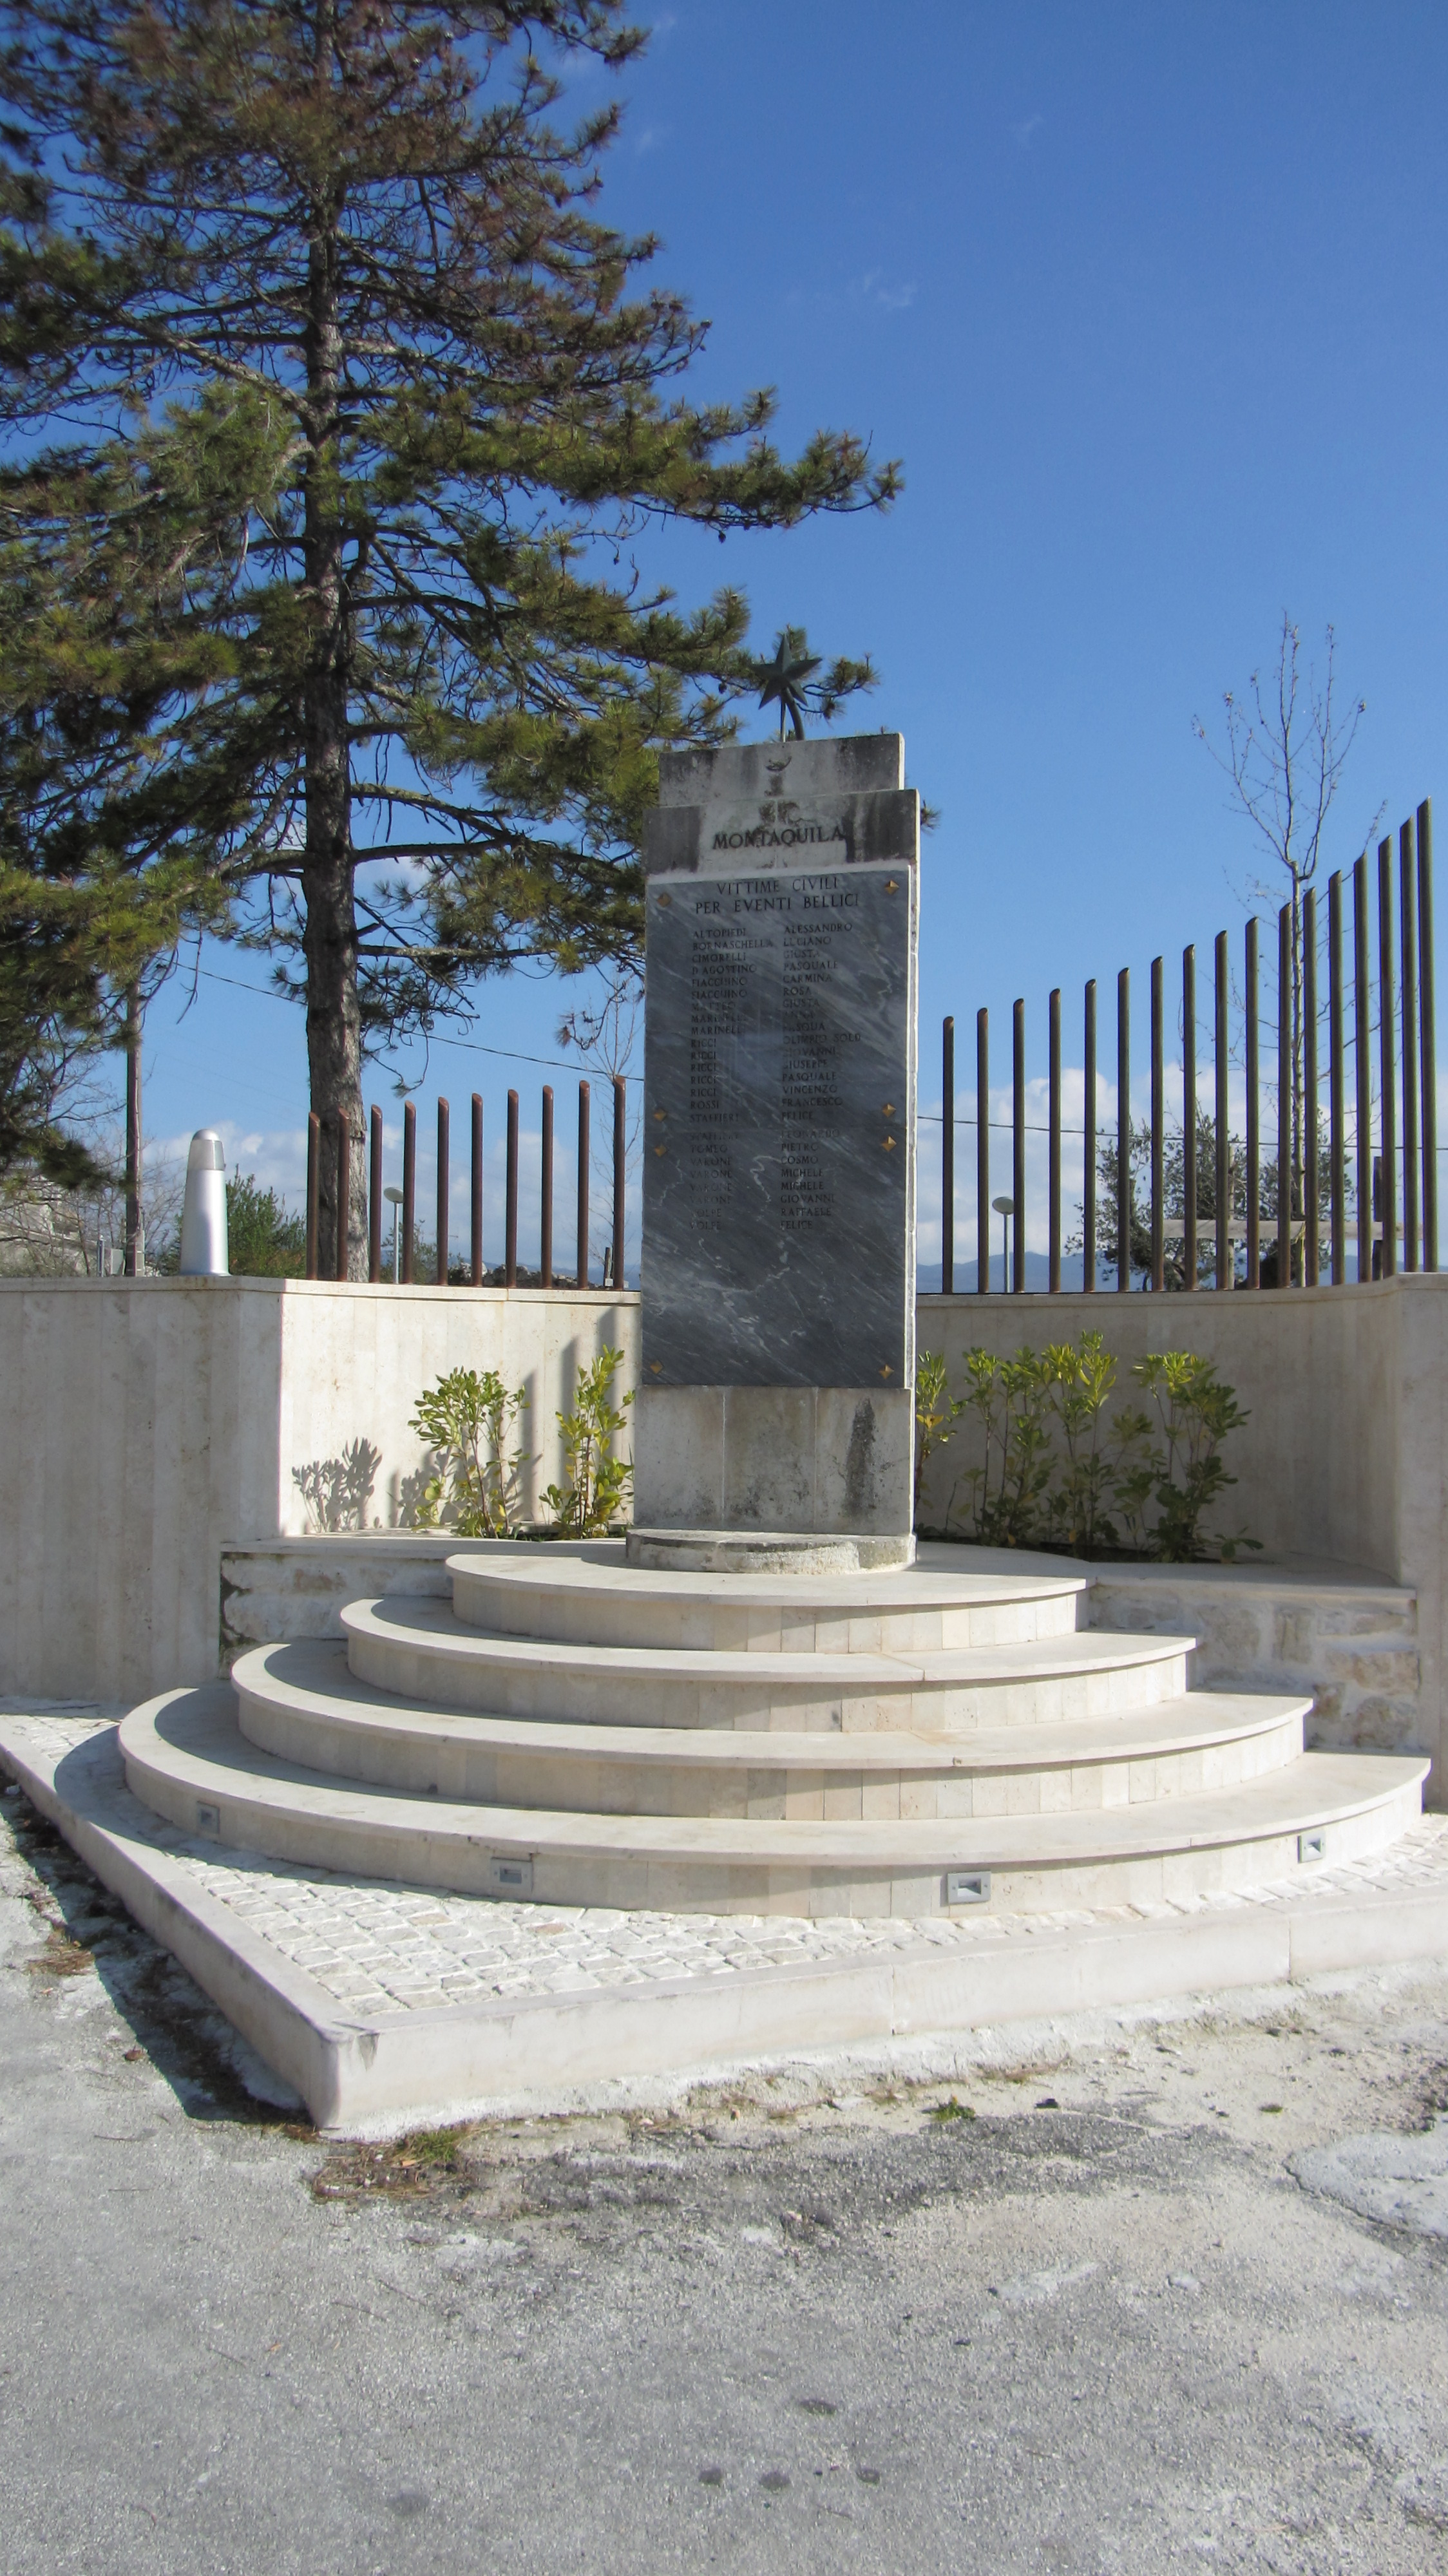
[(380, 1947)]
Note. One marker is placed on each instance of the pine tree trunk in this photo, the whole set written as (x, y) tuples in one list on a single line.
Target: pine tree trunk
[(329, 943)]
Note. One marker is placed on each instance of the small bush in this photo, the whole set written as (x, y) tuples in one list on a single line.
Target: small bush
[(466, 1420), (1060, 1471), (598, 1482)]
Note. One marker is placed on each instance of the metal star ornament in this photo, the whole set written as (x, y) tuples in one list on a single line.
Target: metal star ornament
[(784, 682)]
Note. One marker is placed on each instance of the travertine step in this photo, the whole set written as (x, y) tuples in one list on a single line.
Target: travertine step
[(418, 1649), (302, 1703), (186, 1758), (585, 1594)]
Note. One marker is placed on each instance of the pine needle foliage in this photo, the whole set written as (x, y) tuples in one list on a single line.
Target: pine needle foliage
[(413, 732)]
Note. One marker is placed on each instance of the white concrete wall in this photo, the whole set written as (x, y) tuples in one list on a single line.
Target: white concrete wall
[(145, 1423)]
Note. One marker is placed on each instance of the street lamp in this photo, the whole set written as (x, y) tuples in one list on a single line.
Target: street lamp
[(1004, 1208), (394, 1196)]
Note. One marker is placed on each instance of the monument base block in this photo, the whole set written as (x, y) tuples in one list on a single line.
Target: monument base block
[(722, 1551), (814, 1462)]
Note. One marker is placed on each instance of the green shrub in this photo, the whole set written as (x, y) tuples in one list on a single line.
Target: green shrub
[(598, 1482), (466, 1420), (1060, 1471)]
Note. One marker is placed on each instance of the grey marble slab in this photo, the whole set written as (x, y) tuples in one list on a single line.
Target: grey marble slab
[(777, 1182)]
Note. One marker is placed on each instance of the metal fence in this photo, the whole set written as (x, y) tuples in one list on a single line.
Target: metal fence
[(338, 1157), (1393, 1206)]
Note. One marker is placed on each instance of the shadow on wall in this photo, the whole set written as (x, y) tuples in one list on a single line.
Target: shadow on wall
[(337, 1491)]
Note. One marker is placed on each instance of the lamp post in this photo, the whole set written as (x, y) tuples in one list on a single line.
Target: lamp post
[(1005, 1209), (394, 1200)]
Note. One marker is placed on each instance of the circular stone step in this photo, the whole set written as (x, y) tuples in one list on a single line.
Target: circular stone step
[(301, 1703), (707, 1551), (584, 1593)]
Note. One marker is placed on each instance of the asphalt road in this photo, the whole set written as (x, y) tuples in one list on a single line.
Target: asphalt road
[(1101, 2315)]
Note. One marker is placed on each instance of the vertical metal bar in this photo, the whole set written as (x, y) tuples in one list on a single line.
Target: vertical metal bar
[(545, 1211), (1409, 980), (1124, 1209), (1387, 1059), (409, 1189), (1054, 1115), (444, 1190), (1018, 1148), (1284, 1097), (476, 1178), (314, 1178), (1254, 1112), (1310, 1216), (947, 1158), (982, 1152), (1189, 1117), (1361, 1017), (1088, 1148), (1337, 1080), (1221, 1067), (135, 1252), (620, 1157), (344, 1193), (1427, 1035), (1158, 1131), (510, 1202), (583, 1179), (374, 1202)]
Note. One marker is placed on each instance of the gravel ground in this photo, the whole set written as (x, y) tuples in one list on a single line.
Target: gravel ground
[(1155, 2290)]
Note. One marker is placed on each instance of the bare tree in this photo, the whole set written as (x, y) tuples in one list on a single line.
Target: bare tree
[(1287, 745)]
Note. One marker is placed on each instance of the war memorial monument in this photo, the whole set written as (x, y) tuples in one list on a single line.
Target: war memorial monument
[(763, 1705)]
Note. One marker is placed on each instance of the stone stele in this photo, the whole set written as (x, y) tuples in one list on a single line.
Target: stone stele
[(778, 1274)]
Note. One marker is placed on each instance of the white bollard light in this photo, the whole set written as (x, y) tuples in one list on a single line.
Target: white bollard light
[(204, 1253)]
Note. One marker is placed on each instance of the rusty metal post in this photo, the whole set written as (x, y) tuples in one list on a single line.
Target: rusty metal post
[(1387, 1060), (583, 1179), (314, 1183), (1189, 1117), (1284, 1096), (545, 1211), (982, 1152), (1409, 981), (510, 1203), (620, 1175), (1337, 1080), (1088, 1148), (1158, 1132), (1124, 1194), (444, 1189), (476, 1177), (1054, 1116), (947, 1158), (409, 1189), (1310, 1215), (374, 1201), (1427, 1035), (1018, 1149), (1221, 1067), (1254, 1115), (1362, 1031)]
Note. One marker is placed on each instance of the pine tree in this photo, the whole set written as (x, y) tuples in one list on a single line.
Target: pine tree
[(346, 237)]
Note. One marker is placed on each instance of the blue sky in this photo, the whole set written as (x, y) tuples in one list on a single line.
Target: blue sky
[(1150, 303)]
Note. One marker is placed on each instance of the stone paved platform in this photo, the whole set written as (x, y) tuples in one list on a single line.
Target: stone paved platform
[(362, 1959)]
